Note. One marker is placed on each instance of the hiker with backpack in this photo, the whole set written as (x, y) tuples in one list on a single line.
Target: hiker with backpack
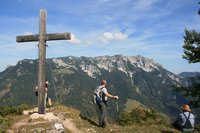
[(186, 120), (100, 98)]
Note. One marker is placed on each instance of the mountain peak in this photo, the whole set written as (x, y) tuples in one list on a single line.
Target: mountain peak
[(123, 63)]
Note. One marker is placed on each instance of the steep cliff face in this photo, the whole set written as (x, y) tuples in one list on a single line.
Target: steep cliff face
[(73, 79)]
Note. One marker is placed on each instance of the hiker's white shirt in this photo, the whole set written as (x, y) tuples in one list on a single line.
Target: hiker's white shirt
[(104, 90), (182, 119)]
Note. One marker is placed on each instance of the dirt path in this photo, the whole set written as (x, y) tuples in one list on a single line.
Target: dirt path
[(32, 120), (70, 126), (15, 128)]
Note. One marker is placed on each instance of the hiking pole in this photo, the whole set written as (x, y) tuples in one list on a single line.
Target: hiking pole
[(117, 107), (92, 119)]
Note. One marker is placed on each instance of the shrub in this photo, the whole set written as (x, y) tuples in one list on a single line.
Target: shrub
[(7, 110), (197, 128), (19, 109), (141, 117), (4, 124)]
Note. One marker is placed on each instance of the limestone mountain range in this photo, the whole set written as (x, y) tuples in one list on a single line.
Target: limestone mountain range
[(73, 79)]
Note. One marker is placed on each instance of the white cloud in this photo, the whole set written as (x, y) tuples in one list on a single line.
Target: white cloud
[(28, 33), (109, 36), (144, 4), (74, 40), (120, 36)]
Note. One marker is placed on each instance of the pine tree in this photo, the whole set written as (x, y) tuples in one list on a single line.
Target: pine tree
[(191, 46), (192, 54)]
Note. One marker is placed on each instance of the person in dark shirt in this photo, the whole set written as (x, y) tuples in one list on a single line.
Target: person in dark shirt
[(48, 100)]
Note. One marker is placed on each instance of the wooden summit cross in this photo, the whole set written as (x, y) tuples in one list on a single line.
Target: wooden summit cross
[(42, 37)]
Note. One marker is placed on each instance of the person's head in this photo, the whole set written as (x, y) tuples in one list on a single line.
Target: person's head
[(46, 81), (186, 108), (103, 82)]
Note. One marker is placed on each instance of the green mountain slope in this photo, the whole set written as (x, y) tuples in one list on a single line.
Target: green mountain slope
[(73, 80)]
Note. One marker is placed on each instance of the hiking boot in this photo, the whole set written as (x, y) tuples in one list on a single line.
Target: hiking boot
[(103, 126)]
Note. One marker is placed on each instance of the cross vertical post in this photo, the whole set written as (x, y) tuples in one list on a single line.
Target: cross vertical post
[(42, 38), (42, 64)]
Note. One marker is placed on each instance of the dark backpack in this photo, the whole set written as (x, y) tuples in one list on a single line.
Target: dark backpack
[(36, 93), (188, 124)]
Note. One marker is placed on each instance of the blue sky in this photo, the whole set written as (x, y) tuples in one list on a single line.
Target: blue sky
[(151, 28)]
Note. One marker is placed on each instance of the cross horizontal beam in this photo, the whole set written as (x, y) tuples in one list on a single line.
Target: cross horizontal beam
[(49, 37)]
